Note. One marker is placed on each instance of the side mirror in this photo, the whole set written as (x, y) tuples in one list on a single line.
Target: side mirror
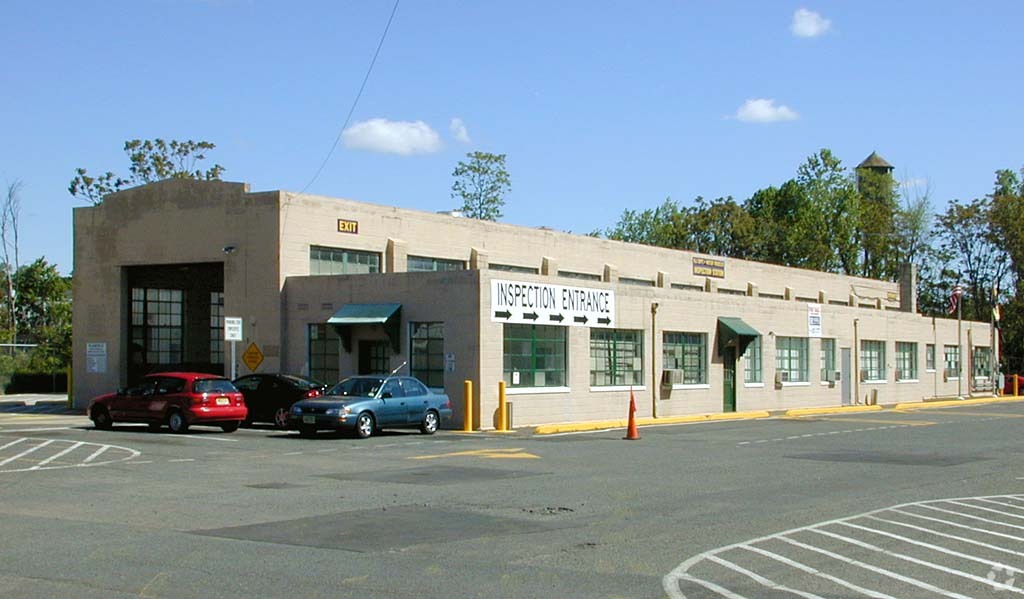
[(122, 391), (385, 395)]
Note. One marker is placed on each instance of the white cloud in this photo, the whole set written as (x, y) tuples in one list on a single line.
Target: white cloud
[(807, 23), (764, 110), (459, 131), (392, 137)]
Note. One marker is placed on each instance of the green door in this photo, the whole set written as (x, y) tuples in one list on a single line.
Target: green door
[(729, 386)]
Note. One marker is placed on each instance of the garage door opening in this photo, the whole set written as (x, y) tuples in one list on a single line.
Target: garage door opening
[(175, 319)]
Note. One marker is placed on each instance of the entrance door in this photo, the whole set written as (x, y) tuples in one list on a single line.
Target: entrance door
[(374, 357), (729, 385), (844, 373)]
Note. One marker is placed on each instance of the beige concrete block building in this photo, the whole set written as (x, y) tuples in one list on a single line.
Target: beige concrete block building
[(329, 287)]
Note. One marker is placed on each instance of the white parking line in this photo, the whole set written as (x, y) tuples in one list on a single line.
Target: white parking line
[(68, 454), (904, 540)]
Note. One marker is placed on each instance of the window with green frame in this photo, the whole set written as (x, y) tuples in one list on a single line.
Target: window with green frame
[(534, 355), (616, 357), (687, 352), (951, 353), (872, 360), (427, 264), (980, 366), (339, 261), (323, 348), (828, 359), (752, 371), (427, 352), (906, 361), (791, 358)]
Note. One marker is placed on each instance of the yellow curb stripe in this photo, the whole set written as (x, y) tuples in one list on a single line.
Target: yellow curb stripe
[(831, 410), (923, 405), (575, 427)]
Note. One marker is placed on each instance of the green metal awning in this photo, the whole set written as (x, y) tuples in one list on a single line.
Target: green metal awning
[(732, 331), (388, 315)]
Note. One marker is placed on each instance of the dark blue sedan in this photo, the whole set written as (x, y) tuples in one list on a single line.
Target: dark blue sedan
[(365, 404)]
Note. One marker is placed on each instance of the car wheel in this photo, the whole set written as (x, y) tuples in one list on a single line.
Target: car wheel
[(430, 423), (307, 431), (364, 425), (101, 419), (281, 418), (177, 423), (229, 427), (154, 427)]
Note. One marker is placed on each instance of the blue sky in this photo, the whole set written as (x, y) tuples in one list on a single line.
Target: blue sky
[(599, 105)]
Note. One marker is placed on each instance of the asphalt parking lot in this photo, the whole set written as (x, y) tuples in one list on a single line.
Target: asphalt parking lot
[(263, 513)]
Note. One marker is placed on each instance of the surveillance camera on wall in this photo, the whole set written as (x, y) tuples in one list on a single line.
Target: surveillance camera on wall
[(229, 249)]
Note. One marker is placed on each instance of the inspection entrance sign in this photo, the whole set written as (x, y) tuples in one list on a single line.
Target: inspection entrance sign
[(542, 303)]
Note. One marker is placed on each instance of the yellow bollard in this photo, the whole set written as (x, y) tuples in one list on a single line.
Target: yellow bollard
[(502, 408), (467, 394)]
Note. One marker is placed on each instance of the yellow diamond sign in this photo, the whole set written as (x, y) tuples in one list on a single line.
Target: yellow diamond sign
[(253, 357)]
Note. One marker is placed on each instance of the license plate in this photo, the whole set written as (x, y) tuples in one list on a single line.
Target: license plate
[(223, 401), (309, 419)]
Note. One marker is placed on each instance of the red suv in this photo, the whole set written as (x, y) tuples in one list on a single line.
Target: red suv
[(177, 399)]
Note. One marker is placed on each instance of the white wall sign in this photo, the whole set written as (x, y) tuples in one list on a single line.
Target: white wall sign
[(449, 362), (96, 357), (232, 328), (814, 323), (543, 303)]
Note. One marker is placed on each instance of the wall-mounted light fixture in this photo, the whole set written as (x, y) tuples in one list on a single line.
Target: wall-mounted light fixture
[(229, 249)]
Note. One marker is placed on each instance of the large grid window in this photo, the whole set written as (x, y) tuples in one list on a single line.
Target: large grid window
[(951, 354), (534, 355), (791, 356), (157, 316), (338, 261), (324, 346), (425, 264), (752, 369), (929, 357), (872, 360), (616, 357), (687, 352), (828, 359), (217, 327), (906, 361), (980, 368), (427, 352)]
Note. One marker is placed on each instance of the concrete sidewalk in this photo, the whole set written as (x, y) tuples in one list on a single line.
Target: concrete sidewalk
[(37, 403)]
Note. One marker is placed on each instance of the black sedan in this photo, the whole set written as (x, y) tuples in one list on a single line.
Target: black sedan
[(270, 396)]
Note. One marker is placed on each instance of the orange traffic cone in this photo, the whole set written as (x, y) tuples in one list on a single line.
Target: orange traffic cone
[(631, 433)]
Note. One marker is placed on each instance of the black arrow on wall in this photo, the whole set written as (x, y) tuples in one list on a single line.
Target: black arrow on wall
[(580, 319), (506, 315), (604, 320), (530, 315), (556, 318)]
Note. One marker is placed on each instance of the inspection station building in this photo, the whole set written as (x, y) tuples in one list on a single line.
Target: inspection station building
[(572, 324)]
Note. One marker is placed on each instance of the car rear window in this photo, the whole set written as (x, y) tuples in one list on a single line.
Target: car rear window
[(213, 386), (301, 382)]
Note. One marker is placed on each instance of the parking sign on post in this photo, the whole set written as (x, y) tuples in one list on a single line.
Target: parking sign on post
[(232, 333)]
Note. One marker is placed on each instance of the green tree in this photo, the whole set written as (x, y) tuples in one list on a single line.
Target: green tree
[(149, 160), (661, 226), (44, 314), (1007, 217), (720, 227), (975, 253), (481, 183), (829, 219)]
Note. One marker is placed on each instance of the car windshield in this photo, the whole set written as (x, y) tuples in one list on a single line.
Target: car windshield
[(359, 387), (214, 386)]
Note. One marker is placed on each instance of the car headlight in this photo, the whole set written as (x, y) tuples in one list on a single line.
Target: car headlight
[(338, 411), (296, 409)]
